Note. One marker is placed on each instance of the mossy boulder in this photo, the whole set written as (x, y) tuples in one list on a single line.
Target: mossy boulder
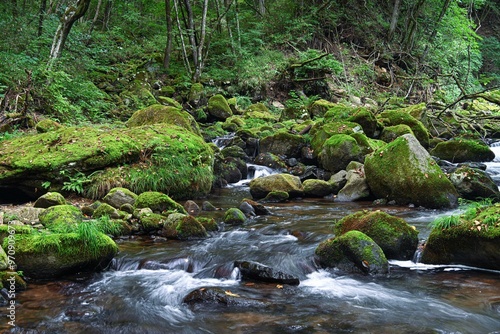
[(119, 196), (218, 107), (354, 252), (472, 240), (62, 215), (366, 144), (397, 239), (276, 197), (6, 281), (183, 227), (182, 163), (47, 125), (45, 256), (402, 116), (462, 150), (319, 108), (389, 133), (316, 188), (260, 187), (321, 132), (234, 216), (164, 114), (4, 259), (49, 199), (196, 94), (169, 102), (158, 202), (149, 221), (270, 160), (104, 210), (261, 112), (404, 171), (283, 143), (474, 184), (338, 151), (360, 115)]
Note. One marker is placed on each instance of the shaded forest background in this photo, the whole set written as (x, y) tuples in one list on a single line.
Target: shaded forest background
[(118, 56)]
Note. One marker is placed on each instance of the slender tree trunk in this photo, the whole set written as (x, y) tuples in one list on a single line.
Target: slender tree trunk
[(199, 52), (107, 14), (191, 33), (394, 19), (72, 13), (41, 17), (411, 30), (181, 36), (96, 16), (168, 46)]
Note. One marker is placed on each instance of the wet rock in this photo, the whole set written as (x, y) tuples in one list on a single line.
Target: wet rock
[(216, 296), (404, 171), (259, 272), (49, 199), (356, 187), (183, 227), (218, 107), (353, 252), (270, 160), (276, 197), (257, 207), (106, 210), (474, 184), (461, 150), (338, 181), (316, 188), (472, 239), (207, 206), (397, 239), (192, 208), (234, 216), (247, 209), (117, 197), (262, 186)]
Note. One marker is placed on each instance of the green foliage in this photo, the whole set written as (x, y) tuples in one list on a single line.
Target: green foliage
[(76, 181), (445, 222), (300, 101)]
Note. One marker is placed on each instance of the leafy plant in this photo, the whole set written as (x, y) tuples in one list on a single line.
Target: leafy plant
[(76, 181), (446, 222)]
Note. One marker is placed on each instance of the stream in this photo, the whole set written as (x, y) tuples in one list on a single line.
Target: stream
[(143, 290)]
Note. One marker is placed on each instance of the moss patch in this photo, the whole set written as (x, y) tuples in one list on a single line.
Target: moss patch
[(461, 150)]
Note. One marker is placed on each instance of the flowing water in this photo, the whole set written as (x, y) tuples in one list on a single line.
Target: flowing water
[(143, 290)]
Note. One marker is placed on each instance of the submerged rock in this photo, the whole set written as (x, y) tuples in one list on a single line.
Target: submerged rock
[(353, 252), (404, 172), (211, 296), (259, 272)]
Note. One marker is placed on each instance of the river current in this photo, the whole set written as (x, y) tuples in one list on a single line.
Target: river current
[(143, 290)]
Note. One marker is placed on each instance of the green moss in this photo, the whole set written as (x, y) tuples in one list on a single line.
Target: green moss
[(218, 107), (320, 133), (401, 116), (392, 132), (6, 278), (338, 151), (151, 221), (183, 227), (164, 114), (60, 215), (209, 224), (105, 210), (397, 239), (158, 202), (47, 125), (461, 150), (234, 216)]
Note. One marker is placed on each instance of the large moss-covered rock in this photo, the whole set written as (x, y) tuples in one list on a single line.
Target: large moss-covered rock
[(60, 215), (219, 108), (404, 171), (319, 108), (469, 239), (321, 132), (158, 202), (397, 239), (474, 184), (353, 251), (53, 255), (260, 187), (338, 151), (183, 227), (389, 133), (402, 116), (164, 114), (461, 150), (47, 125), (317, 188), (181, 164), (119, 196), (359, 115), (49, 199), (283, 143)]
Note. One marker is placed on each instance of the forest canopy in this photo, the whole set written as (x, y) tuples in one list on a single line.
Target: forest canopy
[(94, 60)]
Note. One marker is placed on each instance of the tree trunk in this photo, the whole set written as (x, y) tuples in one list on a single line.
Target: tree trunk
[(409, 35), (71, 14), (394, 19), (199, 52), (96, 16), (181, 36), (107, 14), (41, 17), (168, 46)]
